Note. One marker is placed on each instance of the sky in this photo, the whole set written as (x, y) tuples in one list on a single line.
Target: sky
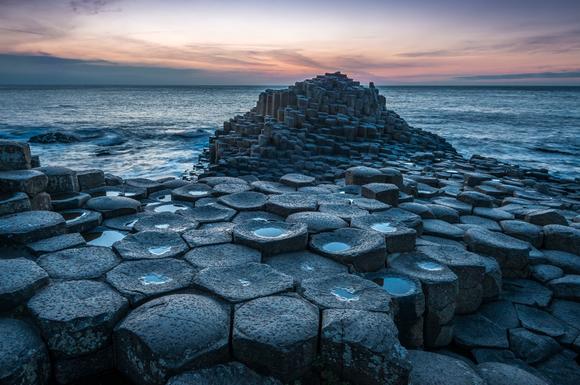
[(247, 42)]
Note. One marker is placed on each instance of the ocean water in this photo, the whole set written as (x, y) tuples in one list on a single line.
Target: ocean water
[(160, 131)]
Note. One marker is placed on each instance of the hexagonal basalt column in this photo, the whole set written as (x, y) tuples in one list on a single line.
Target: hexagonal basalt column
[(365, 250), (169, 335), (244, 201), (19, 279), (212, 213), (80, 263), (303, 265), (243, 282), (151, 245), (23, 356), (361, 175), (398, 237), (408, 296), (77, 317), (383, 192), (60, 179), (433, 369), (362, 347), (141, 280), (470, 271), (221, 255), (317, 222), (290, 203), (346, 291), (114, 206), (165, 222), (230, 373), (80, 221), (271, 237), (31, 182), (276, 335), (30, 226), (440, 288)]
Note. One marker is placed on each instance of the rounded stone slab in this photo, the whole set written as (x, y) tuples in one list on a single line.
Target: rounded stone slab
[(317, 221), (23, 356), (365, 250), (68, 201), (243, 282), (290, 203), (151, 245), (346, 291), (297, 180), (272, 187), (30, 226), (439, 228), (141, 280), (263, 216), (343, 211), (60, 242), (563, 238), (362, 347), (474, 220), (191, 192), (371, 205), (361, 175), (277, 335), (169, 335), (222, 255), (165, 222), (212, 213), (223, 374), (114, 206), (526, 292), (244, 201), (19, 279), (230, 188), (182, 208), (80, 263), (77, 317), (475, 199), (475, 330), (568, 262), (29, 181), (497, 373), (437, 369), (303, 265), (215, 180), (271, 237), (119, 191), (524, 231)]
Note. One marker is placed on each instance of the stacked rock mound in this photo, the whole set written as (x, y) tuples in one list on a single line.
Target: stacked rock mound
[(320, 126), (454, 272)]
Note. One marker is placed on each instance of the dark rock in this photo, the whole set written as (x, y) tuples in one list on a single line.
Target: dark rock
[(14, 155), (19, 279), (83, 368), (149, 185), (303, 265), (244, 201), (566, 287), (442, 229), (546, 217), (478, 331), (151, 245), (545, 273), (563, 238), (114, 206), (60, 179), (81, 221), (526, 292), (223, 374), (568, 262), (475, 199), (502, 313), (31, 182), (263, 216), (89, 179), (277, 335), (212, 213), (169, 335), (297, 180), (54, 137), (77, 317), (290, 203), (434, 369), (374, 353), (165, 222), (317, 222), (538, 320), (532, 347), (343, 211), (561, 369), (383, 192), (14, 203), (267, 187), (103, 236), (81, 263), (195, 238), (57, 243), (30, 226), (496, 373), (222, 255), (524, 231), (362, 175), (70, 200), (444, 213), (271, 238)]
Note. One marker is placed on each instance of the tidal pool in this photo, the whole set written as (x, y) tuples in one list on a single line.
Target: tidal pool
[(335, 247), (430, 266), (345, 294), (103, 238), (159, 250), (384, 227), (154, 279), (269, 232)]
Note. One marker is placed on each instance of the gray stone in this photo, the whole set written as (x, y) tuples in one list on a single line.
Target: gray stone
[(212, 213), (303, 265), (81, 221), (317, 222), (23, 356), (383, 192), (149, 185), (546, 217), (362, 175), (164, 222), (524, 231), (567, 312), (103, 236), (204, 237), (435, 369), (230, 188), (89, 179), (244, 201), (30, 226), (14, 203), (439, 228), (374, 353), (151, 245), (563, 238), (532, 347), (475, 199), (568, 262), (297, 180), (566, 287), (30, 182), (341, 210), (223, 374), (264, 216), (545, 273), (277, 335), (538, 320), (496, 373), (142, 280), (290, 203), (69, 200), (19, 279), (14, 155), (80, 263), (561, 369), (268, 187), (526, 292), (113, 206), (444, 213), (222, 255), (271, 238), (493, 213), (243, 282), (502, 313), (77, 317), (169, 335), (478, 331), (57, 243), (60, 179)]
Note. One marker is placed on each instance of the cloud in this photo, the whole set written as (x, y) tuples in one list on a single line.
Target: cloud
[(525, 76), (93, 7)]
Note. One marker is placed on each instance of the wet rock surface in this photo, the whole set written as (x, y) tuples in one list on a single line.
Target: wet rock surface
[(324, 222)]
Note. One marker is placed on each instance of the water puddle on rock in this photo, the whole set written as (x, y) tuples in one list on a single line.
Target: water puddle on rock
[(73, 217), (345, 294), (159, 250), (384, 227), (164, 198), (171, 208), (396, 286), (244, 282), (197, 193), (154, 279), (162, 226), (269, 232), (335, 247), (116, 193), (103, 238), (131, 224), (430, 266)]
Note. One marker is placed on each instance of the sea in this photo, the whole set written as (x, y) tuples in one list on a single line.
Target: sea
[(160, 131)]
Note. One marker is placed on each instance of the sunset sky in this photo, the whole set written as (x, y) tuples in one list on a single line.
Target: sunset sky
[(277, 42)]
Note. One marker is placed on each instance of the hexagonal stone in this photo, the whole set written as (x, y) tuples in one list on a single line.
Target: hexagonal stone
[(81, 221), (433, 369), (14, 155), (305, 265), (502, 313), (215, 180), (144, 279), (272, 187), (497, 373), (30, 226), (81, 263), (68, 201), (181, 208), (526, 292), (524, 231), (545, 273), (243, 282), (493, 213), (290, 203), (341, 210), (204, 237), (540, 321), (461, 207), (439, 228), (365, 250), (475, 330), (563, 238), (244, 201), (346, 291), (546, 217), (317, 222), (568, 262), (362, 175), (103, 236), (23, 356), (474, 220), (532, 347), (60, 179), (14, 203), (221, 255), (402, 217), (89, 179), (417, 208), (57, 243), (223, 374), (297, 180), (567, 287), (212, 213), (271, 237), (125, 222), (398, 237), (475, 198), (143, 183), (30, 182), (151, 245), (191, 192), (374, 353), (169, 335), (511, 253), (77, 317), (383, 192), (230, 188), (165, 222), (371, 205), (114, 206), (277, 335), (263, 216), (19, 279)]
